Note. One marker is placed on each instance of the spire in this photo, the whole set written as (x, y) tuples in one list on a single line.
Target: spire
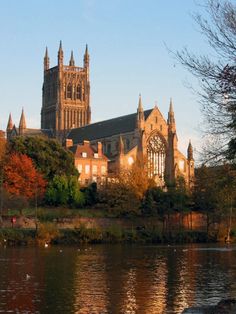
[(190, 151), (171, 105), (60, 54), (72, 61), (60, 46), (46, 60), (121, 145), (140, 113), (140, 105), (86, 57), (22, 124), (9, 124), (171, 116)]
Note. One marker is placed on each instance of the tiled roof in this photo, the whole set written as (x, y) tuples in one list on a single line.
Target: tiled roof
[(103, 129), (77, 150), (35, 132)]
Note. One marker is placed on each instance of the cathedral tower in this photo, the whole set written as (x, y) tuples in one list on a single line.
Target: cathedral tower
[(66, 95)]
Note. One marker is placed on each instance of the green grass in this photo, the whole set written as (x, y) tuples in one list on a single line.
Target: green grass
[(52, 213)]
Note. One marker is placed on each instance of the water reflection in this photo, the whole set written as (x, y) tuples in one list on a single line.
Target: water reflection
[(114, 279), (90, 283)]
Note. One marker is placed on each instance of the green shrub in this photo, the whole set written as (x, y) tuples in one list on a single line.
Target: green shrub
[(63, 190)]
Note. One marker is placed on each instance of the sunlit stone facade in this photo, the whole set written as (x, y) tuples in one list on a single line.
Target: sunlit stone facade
[(146, 135), (66, 91)]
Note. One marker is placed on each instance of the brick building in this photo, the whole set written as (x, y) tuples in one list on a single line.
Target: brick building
[(90, 161)]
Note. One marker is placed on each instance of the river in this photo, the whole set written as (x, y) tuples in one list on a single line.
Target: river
[(111, 279)]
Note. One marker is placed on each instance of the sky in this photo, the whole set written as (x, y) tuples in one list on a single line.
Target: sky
[(127, 42)]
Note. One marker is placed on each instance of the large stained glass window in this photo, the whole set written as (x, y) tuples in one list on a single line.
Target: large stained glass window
[(156, 154)]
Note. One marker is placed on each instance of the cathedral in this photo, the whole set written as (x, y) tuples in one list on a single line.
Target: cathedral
[(66, 91), (145, 134)]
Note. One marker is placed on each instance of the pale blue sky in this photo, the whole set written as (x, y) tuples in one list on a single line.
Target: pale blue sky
[(126, 40)]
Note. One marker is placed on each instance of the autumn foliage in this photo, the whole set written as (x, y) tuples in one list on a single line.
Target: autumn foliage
[(21, 177)]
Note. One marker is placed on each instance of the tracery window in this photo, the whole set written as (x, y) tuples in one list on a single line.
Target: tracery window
[(69, 91), (78, 92), (156, 154)]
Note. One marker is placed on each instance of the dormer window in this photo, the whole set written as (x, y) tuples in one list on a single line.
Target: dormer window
[(84, 154)]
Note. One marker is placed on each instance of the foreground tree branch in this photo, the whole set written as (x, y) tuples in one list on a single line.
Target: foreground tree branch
[(217, 78)]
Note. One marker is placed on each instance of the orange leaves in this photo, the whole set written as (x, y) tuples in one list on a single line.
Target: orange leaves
[(21, 177)]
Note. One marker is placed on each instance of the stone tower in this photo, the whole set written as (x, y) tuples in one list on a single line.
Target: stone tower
[(66, 95)]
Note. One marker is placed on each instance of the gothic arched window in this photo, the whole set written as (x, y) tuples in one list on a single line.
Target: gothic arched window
[(69, 91), (156, 154), (78, 92)]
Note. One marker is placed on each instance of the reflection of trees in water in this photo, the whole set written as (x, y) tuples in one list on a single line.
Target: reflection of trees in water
[(90, 282), (129, 302), (115, 279), (185, 280), (140, 280), (156, 300)]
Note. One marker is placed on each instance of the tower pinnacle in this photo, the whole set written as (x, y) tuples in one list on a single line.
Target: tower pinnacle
[(190, 151), (72, 61), (171, 116), (46, 60), (22, 124), (86, 57), (60, 54), (140, 114), (10, 123)]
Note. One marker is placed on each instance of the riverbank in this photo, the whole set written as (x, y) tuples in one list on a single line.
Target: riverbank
[(50, 234), (69, 226)]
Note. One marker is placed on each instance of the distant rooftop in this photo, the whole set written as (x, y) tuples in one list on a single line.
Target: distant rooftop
[(107, 128)]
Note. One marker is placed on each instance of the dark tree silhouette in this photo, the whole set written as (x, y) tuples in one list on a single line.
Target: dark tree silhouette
[(216, 73)]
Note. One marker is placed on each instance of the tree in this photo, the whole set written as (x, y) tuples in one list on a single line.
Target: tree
[(64, 190), (90, 194), (49, 157), (2, 149), (2, 160), (136, 178), (227, 195), (215, 194), (205, 194), (118, 197), (21, 178), (216, 73)]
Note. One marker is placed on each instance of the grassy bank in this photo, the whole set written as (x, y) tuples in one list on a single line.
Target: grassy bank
[(49, 233), (49, 214)]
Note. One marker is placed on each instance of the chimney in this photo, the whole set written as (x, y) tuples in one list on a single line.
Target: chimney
[(99, 149), (86, 143), (69, 142)]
